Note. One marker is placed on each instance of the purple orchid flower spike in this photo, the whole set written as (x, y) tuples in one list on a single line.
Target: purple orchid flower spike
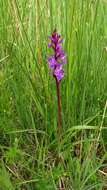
[(58, 58), (55, 61)]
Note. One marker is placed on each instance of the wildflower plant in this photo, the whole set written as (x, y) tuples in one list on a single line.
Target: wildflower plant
[(55, 61)]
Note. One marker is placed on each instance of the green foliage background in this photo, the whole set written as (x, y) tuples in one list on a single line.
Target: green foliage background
[(31, 158)]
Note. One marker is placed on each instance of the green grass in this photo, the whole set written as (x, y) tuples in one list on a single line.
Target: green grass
[(30, 156)]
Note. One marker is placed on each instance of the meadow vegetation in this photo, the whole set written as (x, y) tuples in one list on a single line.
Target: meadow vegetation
[(31, 157)]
